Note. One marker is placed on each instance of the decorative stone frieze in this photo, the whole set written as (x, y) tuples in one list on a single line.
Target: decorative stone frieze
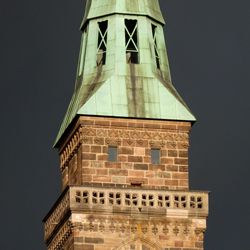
[(61, 237), (157, 227)]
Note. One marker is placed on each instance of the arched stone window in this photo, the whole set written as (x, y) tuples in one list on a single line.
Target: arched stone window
[(136, 247), (139, 244)]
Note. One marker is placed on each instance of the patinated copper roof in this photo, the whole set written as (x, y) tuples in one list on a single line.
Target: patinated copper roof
[(119, 88), (99, 8)]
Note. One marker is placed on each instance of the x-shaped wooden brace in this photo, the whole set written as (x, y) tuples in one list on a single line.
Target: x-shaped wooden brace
[(131, 37), (103, 39), (155, 45)]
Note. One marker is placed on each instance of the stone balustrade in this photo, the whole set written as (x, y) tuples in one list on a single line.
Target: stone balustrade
[(135, 198), (56, 214), (126, 201)]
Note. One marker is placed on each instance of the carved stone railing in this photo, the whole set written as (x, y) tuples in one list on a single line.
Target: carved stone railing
[(126, 200), (57, 213), (103, 198)]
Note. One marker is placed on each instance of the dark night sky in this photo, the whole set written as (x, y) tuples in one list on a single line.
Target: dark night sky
[(209, 48)]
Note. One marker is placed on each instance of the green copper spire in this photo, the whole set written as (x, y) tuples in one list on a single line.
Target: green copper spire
[(123, 66)]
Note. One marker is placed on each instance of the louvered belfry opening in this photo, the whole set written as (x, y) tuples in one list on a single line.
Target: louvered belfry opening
[(157, 54), (131, 37), (102, 42)]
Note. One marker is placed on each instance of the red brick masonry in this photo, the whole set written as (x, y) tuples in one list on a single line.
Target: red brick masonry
[(84, 155)]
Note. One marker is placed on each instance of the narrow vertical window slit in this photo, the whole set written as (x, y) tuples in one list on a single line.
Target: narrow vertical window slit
[(156, 156), (112, 154)]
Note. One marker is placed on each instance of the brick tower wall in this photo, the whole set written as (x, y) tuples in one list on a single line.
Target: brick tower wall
[(129, 204), (84, 156)]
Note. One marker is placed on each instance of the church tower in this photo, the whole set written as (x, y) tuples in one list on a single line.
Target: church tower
[(124, 141)]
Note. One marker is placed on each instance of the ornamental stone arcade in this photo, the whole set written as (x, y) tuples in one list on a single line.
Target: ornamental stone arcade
[(124, 141)]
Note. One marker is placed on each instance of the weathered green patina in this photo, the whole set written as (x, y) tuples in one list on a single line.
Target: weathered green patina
[(115, 86), (97, 9)]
